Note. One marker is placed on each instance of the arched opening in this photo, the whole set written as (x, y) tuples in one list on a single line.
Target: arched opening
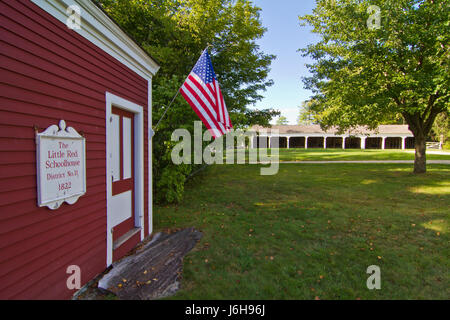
[(393, 143), (334, 142), (373, 143), (315, 142), (296, 142), (282, 142), (275, 142), (262, 142), (409, 143), (352, 143)]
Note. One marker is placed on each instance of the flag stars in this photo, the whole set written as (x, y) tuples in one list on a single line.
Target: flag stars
[(204, 69)]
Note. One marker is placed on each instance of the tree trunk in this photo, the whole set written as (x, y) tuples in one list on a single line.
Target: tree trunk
[(420, 159)]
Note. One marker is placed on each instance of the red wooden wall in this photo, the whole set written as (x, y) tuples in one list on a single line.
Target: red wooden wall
[(47, 73)]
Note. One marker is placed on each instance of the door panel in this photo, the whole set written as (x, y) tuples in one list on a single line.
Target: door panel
[(115, 152), (122, 159), (121, 207), (127, 148)]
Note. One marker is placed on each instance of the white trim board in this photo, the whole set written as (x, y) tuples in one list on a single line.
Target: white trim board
[(99, 29), (118, 102), (150, 160)]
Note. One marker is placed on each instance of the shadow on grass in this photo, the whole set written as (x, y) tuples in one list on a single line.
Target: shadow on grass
[(312, 230)]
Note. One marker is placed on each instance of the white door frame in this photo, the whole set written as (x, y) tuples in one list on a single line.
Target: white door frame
[(118, 102)]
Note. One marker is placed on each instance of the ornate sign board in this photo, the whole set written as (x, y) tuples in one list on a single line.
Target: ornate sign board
[(61, 166)]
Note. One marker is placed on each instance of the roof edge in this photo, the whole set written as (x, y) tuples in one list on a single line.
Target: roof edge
[(101, 30), (315, 128)]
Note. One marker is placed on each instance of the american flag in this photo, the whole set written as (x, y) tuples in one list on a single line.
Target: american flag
[(201, 90)]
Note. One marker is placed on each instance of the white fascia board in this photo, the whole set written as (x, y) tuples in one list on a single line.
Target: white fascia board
[(99, 29)]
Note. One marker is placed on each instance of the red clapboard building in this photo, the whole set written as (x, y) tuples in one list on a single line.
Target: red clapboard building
[(67, 60)]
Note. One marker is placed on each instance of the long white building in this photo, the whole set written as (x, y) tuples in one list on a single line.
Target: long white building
[(312, 136)]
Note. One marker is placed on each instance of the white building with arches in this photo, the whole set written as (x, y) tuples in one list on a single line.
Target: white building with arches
[(312, 136)]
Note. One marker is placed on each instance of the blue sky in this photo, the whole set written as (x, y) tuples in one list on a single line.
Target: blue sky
[(283, 38)]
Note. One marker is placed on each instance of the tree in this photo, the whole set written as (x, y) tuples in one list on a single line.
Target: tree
[(377, 59), (175, 32), (309, 112), (441, 128), (282, 120)]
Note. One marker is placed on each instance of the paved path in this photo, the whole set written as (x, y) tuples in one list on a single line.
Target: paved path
[(445, 153), (355, 161)]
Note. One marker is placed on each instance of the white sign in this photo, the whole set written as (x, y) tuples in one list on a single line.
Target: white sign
[(61, 166)]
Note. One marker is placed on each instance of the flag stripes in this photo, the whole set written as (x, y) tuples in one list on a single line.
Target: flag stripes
[(201, 90), (208, 120)]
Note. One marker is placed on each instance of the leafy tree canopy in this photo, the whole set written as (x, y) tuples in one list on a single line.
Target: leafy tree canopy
[(309, 112), (175, 32), (282, 120), (373, 63)]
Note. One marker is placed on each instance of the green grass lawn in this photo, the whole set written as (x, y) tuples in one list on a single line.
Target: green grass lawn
[(348, 154), (313, 229)]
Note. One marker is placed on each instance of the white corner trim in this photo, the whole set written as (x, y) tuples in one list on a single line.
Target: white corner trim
[(150, 160), (139, 138), (99, 29)]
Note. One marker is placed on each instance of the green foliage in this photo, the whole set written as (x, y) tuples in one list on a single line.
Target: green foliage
[(365, 76), (282, 120), (446, 146), (441, 128), (309, 112), (175, 32)]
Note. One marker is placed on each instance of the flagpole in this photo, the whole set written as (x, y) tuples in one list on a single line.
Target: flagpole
[(168, 107)]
